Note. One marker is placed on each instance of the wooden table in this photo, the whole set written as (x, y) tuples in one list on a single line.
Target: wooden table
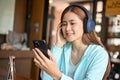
[(23, 64)]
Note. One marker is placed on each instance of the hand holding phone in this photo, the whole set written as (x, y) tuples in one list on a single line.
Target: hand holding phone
[(42, 46)]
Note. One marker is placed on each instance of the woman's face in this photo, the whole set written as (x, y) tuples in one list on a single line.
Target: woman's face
[(72, 27)]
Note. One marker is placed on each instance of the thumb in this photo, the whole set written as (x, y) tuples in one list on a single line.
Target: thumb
[(51, 56)]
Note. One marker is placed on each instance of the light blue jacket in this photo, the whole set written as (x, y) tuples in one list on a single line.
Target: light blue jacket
[(92, 66)]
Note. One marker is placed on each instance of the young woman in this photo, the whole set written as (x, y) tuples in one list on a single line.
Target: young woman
[(78, 54)]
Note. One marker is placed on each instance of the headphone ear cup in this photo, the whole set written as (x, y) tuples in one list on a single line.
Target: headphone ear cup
[(89, 25)]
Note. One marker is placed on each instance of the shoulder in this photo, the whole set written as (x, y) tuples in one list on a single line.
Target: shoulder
[(97, 51), (96, 48)]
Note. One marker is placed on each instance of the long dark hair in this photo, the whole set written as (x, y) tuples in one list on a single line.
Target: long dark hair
[(88, 38)]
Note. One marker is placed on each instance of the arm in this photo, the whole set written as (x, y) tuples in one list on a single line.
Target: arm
[(50, 66)]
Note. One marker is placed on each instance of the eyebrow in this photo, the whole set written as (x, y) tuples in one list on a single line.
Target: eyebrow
[(70, 20)]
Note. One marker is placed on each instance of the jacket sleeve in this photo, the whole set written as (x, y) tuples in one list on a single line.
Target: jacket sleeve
[(56, 51), (64, 77)]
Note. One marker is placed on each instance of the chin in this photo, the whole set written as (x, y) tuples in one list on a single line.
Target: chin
[(70, 40)]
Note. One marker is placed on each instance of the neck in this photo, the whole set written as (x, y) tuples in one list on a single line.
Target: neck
[(78, 49), (78, 45)]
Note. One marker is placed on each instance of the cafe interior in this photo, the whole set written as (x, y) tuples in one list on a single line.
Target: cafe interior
[(22, 21)]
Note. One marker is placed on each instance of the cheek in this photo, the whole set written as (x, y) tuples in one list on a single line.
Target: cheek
[(79, 33), (79, 29)]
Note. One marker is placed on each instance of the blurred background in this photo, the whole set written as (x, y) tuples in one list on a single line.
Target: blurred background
[(22, 21)]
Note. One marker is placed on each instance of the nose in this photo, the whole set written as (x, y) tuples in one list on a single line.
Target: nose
[(68, 27)]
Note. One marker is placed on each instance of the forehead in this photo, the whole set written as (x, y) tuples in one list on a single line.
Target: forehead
[(70, 16)]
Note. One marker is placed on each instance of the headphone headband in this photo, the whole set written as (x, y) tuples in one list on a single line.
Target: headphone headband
[(83, 8)]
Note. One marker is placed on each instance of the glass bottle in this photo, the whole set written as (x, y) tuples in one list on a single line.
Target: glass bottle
[(11, 69)]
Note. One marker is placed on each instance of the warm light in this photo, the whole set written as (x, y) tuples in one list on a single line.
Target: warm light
[(99, 6), (114, 41), (98, 28), (50, 1), (116, 54), (99, 18)]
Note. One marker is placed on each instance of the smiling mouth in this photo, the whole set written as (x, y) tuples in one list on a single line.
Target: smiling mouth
[(69, 34)]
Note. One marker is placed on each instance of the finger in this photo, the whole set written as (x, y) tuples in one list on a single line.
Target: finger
[(59, 34), (38, 63), (51, 56), (38, 57), (59, 28), (43, 57), (35, 53)]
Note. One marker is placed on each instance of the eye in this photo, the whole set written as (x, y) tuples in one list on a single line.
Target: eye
[(64, 24), (72, 23)]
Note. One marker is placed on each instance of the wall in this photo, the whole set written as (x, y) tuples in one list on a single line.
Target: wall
[(6, 15)]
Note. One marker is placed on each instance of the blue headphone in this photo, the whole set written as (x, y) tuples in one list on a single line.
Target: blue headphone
[(89, 24)]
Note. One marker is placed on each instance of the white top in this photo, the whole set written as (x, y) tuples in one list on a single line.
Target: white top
[(72, 69)]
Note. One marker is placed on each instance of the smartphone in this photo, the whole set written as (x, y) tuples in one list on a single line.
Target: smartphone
[(42, 46)]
